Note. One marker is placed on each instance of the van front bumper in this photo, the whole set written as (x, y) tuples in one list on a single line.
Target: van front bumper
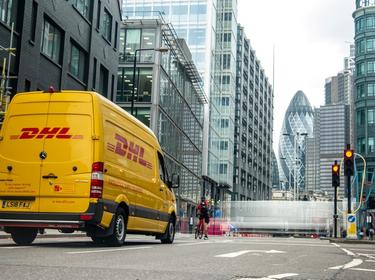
[(92, 216)]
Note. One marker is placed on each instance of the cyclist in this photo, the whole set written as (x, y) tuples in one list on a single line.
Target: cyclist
[(203, 212)]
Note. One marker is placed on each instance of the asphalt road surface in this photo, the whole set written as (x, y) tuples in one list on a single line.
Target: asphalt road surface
[(224, 258)]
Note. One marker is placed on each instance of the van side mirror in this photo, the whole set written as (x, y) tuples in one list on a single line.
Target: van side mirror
[(175, 182)]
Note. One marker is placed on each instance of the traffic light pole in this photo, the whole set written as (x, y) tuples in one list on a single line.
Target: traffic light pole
[(349, 196), (335, 214)]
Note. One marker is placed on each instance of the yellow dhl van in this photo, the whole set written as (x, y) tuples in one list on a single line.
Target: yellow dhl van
[(73, 160)]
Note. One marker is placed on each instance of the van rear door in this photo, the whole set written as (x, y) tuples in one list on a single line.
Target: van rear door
[(68, 147), (20, 151)]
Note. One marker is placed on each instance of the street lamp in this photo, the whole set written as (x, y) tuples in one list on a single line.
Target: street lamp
[(161, 50)]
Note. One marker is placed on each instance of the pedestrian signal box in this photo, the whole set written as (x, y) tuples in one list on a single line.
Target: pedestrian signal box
[(348, 162)]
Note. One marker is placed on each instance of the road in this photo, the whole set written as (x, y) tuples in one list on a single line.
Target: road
[(224, 258)]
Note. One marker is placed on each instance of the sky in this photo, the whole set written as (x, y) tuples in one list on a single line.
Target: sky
[(311, 39)]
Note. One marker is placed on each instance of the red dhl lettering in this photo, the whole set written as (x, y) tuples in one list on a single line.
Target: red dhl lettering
[(130, 150), (45, 133)]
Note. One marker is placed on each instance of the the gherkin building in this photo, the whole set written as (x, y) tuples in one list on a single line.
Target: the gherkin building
[(297, 125)]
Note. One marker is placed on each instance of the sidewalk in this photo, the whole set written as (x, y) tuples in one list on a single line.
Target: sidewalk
[(349, 241)]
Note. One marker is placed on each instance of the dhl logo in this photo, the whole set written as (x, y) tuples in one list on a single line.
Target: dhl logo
[(45, 133), (130, 150)]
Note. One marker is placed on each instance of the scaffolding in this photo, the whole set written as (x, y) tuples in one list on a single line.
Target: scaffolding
[(5, 77)]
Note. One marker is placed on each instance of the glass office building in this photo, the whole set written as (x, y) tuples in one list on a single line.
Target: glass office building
[(168, 97), (210, 28)]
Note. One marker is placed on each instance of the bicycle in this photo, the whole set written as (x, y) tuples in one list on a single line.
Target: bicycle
[(199, 229)]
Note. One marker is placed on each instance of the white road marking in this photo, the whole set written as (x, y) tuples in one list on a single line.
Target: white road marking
[(349, 253), (106, 250), (272, 277), (284, 244), (365, 250), (363, 269), (239, 253), (280, 276), (233, 255), (351, 264), (206, 242), (369, 260), (370, 256)]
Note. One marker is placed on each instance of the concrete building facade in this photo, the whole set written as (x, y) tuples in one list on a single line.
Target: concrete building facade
[(253, 126)]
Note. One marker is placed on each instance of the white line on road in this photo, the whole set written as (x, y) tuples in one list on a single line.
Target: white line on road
[(239, 253), (351, 264), (363, 269), (369, 260), (106, 250), (365, 250), (370, 256), (233, 255), (349, 253), (272, 277), (206, 242)]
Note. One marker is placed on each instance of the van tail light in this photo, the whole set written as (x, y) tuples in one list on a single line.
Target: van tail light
[(96, 188)]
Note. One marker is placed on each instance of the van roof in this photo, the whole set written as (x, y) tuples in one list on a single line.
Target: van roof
[(103, 100)]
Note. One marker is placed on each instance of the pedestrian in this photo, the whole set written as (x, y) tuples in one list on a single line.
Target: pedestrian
[(371, 233), (191, 223)]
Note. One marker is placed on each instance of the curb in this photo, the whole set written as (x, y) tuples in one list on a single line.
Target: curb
[(348, 241)]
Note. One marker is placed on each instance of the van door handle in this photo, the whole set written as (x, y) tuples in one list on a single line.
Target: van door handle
[(49, 176)]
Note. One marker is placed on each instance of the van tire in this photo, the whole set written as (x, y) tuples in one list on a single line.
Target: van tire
[(168, 236), (24, 236), (117, 238)]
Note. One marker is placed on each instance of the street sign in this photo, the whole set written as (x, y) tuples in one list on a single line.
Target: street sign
[(351, 228)]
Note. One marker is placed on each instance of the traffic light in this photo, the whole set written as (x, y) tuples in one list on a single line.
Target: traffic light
[(336, 175), (348, 162)]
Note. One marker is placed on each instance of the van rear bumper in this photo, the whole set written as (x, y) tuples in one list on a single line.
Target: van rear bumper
[(92, 216)]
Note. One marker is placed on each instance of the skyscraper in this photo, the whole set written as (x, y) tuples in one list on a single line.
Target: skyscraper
[(297, 125)]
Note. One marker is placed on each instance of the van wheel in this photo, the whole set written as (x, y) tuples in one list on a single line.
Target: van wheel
[(24, 236), (119, 232), (168, 236)]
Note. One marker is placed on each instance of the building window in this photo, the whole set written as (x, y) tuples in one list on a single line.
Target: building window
[(227, 16), (224, 123), (143, 86), (223, 168), (148, 39), (98, 15), (132, 42), (370, 145), (51, 41), (361, 46), (77, 65), (84, 7), (370, 116), (360, 91), (225, 101), (107, 25), (224, 145), (103, 81), (360, 68), (370, 45), (359, 25), (370, 89), (8, 11), (361, 117), (370, 23), (226, 61), (370, 66), (226, 80)]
